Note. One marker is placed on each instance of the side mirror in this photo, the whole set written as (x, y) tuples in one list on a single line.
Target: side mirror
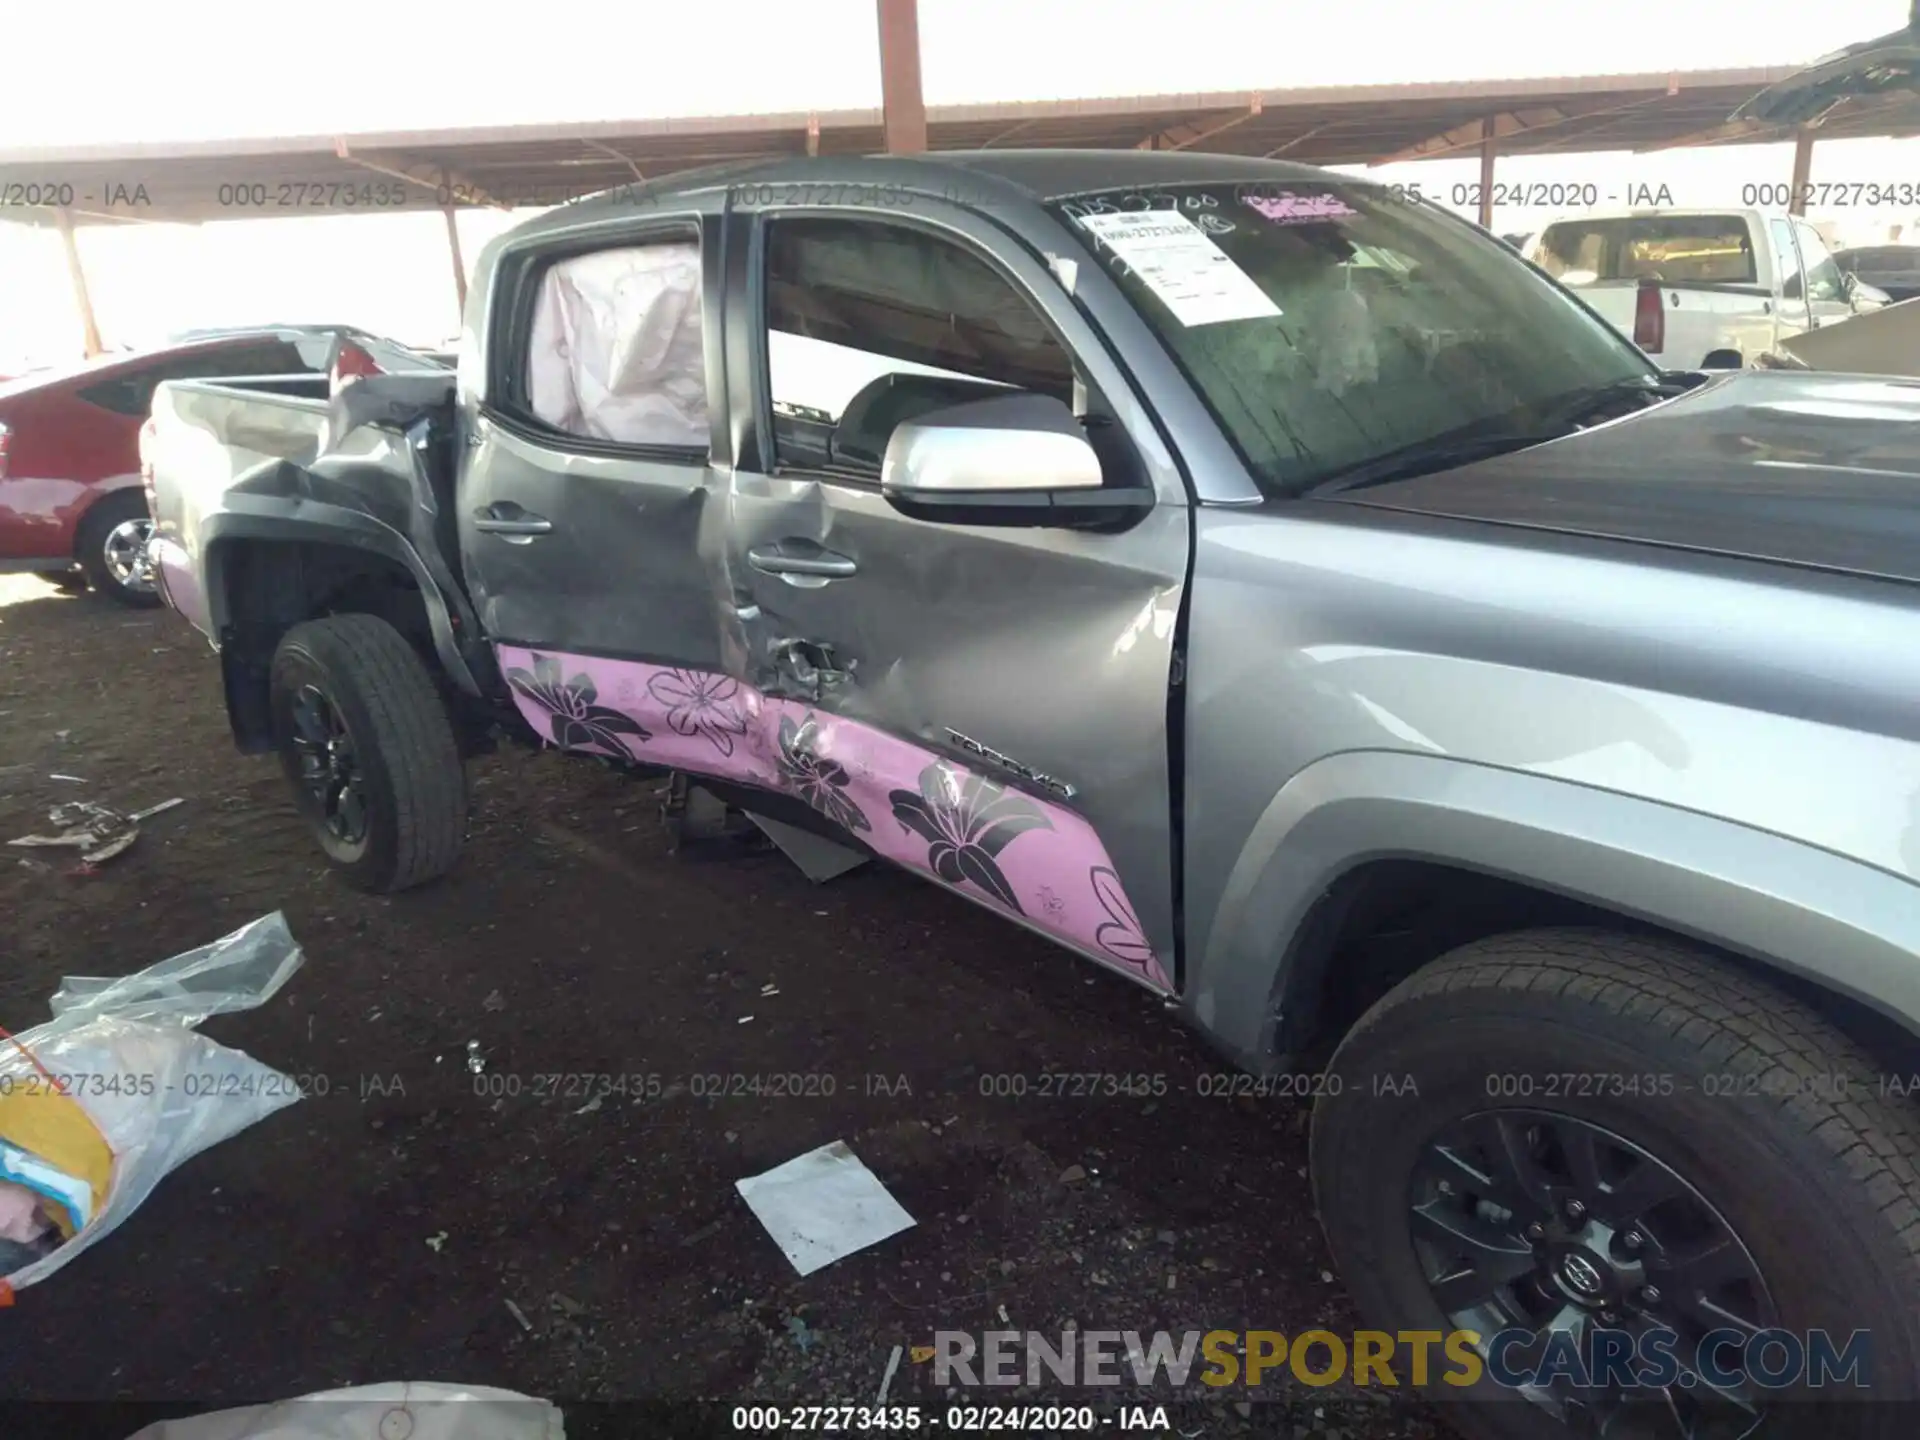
[(1014, 459)]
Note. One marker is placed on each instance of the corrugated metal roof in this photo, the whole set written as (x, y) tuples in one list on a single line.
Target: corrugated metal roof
[(547, 164)]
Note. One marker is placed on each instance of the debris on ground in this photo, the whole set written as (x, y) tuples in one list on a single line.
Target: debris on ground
[(434, 1242), (520, 1315), (93, 1155), (495, 1001), (398, 1410), (886, 1380), (99, 832), (823, 1206), (798, 1332)]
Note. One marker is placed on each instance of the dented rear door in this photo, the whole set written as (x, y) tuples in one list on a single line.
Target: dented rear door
[(591, 505), (985, 705)]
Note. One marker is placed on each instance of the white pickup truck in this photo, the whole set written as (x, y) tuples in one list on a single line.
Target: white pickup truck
[(1701, 289)]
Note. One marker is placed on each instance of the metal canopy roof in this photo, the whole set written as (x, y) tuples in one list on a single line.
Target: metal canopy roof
[(538, 165)]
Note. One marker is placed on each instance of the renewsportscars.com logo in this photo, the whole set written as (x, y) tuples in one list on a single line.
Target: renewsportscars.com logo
[(1653, 1359)]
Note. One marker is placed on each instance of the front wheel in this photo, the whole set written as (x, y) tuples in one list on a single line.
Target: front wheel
[(366, 742), (1662, 1195)]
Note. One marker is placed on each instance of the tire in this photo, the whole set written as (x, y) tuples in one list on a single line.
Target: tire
[(99, 546), (401, 807), (1775, 1119)]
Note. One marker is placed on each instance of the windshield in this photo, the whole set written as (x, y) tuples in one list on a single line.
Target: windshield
[(1328, 325)]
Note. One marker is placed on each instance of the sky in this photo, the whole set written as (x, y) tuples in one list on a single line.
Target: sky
[(229, 71)]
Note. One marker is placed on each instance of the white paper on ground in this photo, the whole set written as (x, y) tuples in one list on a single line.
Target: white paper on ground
[(823, 1206), (1178, 261)]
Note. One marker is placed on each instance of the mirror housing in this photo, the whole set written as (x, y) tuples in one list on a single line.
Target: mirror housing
[(1012, 459)]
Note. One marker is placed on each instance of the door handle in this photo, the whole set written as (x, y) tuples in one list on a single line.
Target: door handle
[(771, 560), (503, 517)]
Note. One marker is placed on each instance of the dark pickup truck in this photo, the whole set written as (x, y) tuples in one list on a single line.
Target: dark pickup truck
[(1266, 586)]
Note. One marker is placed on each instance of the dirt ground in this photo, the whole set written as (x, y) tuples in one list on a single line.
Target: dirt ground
[(387, 1228)]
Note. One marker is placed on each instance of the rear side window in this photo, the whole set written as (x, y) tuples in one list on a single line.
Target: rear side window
[(616, 351), (1697, 249), (131, 391)]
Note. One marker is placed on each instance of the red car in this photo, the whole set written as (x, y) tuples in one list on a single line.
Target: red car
[(70, 487)]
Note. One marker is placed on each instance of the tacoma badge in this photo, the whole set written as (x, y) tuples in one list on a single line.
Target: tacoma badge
[(1007, 762)]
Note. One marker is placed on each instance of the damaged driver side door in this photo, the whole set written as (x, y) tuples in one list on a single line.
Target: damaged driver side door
[(981, 698)]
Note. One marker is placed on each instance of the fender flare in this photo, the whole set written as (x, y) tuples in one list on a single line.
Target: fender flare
[(1846, 926), (316, 522)]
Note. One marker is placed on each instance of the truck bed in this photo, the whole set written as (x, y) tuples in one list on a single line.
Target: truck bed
[(212, 446)]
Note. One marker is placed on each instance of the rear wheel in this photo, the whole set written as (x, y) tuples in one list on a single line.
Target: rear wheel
[(366, 742), (1589, 1143), (111, 548)]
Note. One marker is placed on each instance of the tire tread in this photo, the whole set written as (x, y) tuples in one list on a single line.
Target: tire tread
[(411, 733), (1741, 1024)]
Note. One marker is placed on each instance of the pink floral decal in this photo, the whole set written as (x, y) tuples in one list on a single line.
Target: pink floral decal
[(966, 824), (1121, 937), (821, 782), (702, 704), (950, 824), (573, 716)]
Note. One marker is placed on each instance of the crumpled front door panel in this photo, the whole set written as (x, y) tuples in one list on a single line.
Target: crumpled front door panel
[(1034, 860)]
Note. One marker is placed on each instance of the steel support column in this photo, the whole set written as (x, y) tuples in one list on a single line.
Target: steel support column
[(1488, 150), (1802, 170), (903, 108), (78, 276), (459, 265)]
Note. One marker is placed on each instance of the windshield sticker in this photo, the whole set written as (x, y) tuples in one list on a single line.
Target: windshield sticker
[(1186, 271), (1287, 208)]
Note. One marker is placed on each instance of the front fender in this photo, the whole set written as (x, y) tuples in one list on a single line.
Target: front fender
[(1848, 926)]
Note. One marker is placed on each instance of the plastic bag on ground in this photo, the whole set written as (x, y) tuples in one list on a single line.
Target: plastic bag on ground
[(240, 971), (118, 1089), (417, 1410)]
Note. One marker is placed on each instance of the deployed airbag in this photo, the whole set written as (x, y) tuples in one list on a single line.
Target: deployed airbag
[(616, 349)]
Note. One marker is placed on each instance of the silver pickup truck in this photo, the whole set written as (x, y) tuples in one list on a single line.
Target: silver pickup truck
[(1266, 586)]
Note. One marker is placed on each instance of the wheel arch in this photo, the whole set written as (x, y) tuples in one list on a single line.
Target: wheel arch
[(102, 492), (1351, 848), (267, 570)]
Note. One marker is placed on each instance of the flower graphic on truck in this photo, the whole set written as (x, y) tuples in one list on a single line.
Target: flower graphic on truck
[(966, 824), (701, 704), (821, 782), (1121, 936), (574, 715)]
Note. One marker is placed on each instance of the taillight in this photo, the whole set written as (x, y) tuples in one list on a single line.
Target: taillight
[(1649, 319), (146, 459), (6, 441), (350, 362)]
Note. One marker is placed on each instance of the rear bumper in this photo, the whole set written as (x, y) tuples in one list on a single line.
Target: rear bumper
[(173, 577)]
